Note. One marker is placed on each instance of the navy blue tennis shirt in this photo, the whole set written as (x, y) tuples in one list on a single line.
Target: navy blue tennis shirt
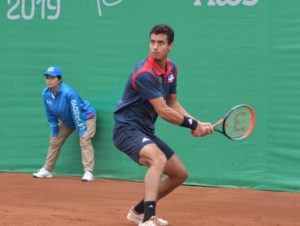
[(147, 81)]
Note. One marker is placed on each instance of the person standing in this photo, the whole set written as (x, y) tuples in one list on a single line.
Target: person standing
[(66, 111), (151, 92)]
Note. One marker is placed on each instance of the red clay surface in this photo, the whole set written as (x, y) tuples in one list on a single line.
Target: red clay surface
[(63, 201)]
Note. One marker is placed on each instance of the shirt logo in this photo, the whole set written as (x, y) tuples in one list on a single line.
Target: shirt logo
[(49, 102), (76, 113), (171, 78), (145, 139), (51, 69)]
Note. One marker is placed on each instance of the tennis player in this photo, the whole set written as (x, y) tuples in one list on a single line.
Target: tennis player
[(66, 111), (151, 92)]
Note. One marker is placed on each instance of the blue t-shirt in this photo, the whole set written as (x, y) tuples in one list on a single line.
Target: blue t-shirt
[(147, 81)]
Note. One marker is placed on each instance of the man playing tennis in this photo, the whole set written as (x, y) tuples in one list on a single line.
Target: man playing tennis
[(151, 92)]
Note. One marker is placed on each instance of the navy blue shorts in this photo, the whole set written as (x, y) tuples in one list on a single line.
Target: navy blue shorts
[(131, 141)]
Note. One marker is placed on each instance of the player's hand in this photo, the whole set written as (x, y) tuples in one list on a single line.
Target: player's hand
[(86, 137), (203, 129)]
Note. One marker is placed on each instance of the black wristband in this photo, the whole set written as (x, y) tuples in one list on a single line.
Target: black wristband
[(189, 123)]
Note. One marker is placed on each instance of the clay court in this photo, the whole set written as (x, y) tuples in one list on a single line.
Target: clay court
[(63, 201)]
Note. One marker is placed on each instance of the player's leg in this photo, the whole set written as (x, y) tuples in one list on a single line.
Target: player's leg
[(175, 171), (143, 150), (152, 157), (176, 174), (87, 151)]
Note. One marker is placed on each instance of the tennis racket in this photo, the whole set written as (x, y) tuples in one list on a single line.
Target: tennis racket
[(238, 123)]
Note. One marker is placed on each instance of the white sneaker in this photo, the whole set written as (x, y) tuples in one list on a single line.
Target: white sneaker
[(154, 221), (87, 176), (42, 173), (137, 218), (134, 217)]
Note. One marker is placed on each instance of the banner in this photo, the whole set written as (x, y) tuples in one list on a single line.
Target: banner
[(228, 52)]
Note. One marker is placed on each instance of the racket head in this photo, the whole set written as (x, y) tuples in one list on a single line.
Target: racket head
[(239, 122)]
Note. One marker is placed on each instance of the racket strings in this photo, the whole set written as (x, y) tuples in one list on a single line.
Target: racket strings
[(239, 123)]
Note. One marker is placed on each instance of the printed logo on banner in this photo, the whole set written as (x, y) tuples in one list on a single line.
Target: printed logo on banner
[(226, 2), (27, 10), (51, 9), (45, 9), (116, 2)]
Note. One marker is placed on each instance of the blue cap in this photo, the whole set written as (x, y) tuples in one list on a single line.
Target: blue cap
[(53, 71)]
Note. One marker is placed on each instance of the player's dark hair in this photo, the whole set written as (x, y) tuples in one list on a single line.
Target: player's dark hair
[(163, 29)]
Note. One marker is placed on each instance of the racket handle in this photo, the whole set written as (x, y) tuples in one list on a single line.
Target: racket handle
[(218, 122)]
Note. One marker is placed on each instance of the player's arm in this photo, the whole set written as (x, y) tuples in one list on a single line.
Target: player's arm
[(149, 90), (165, 112), (174, 103), (178, 118)]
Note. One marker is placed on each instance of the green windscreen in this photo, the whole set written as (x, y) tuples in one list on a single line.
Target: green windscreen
[(228, 52)]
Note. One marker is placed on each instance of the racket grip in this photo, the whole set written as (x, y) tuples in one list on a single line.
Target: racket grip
[(218, 122)]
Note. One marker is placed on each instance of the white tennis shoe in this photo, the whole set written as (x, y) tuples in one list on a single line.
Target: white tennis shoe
[(154, 221), (87, 176), (42, 173), (136, 218)]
